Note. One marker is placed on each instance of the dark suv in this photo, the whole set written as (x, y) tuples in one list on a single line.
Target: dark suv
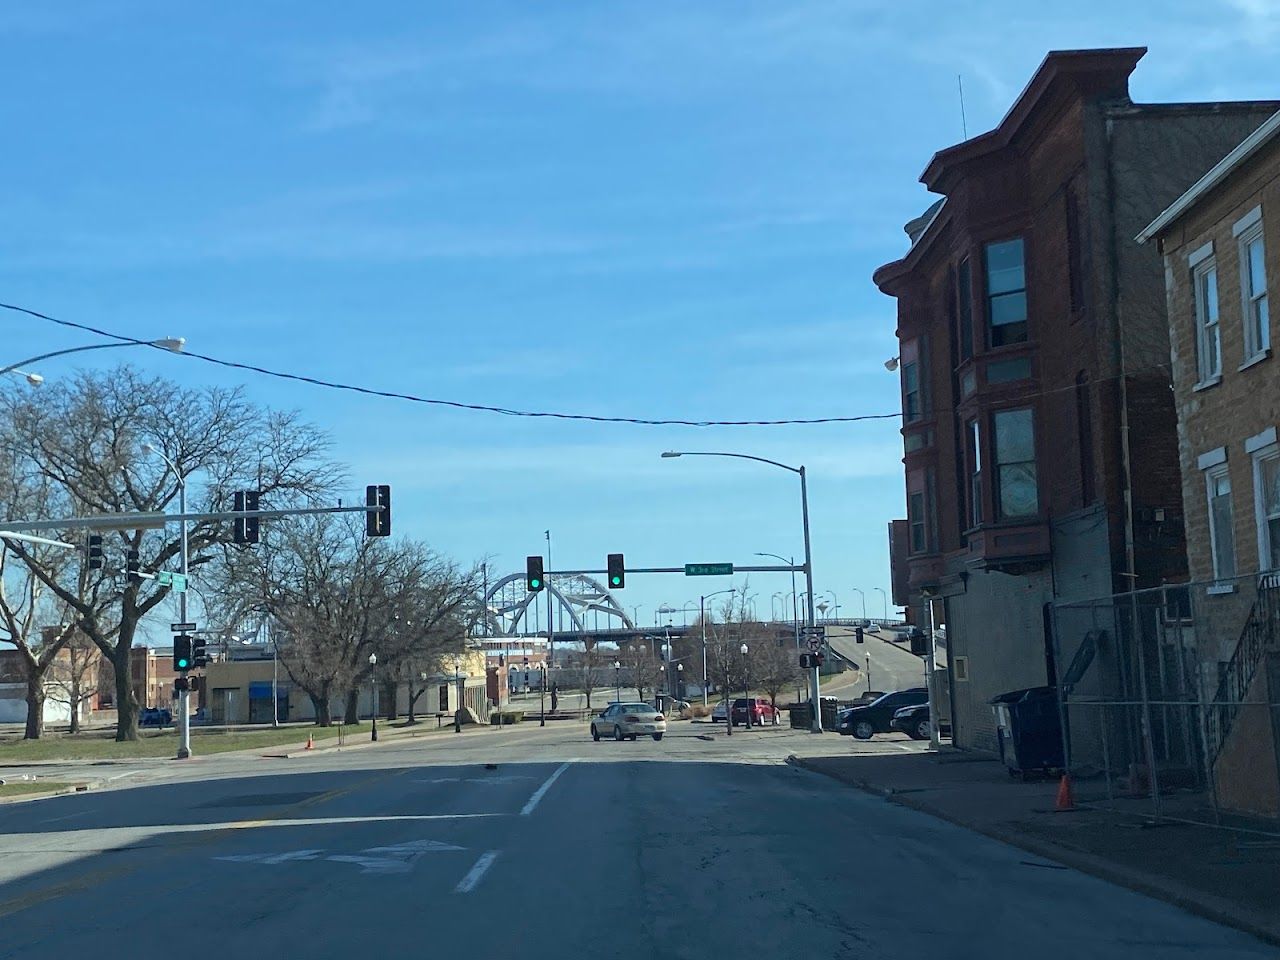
[(875, 717)]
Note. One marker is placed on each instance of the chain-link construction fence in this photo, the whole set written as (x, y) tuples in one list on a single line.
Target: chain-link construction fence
[(1170, 700)]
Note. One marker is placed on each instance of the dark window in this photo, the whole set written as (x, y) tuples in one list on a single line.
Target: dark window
[(915, 516), (1075, 255), (1015, 461), (1084, 436), (964, 308), (1006, 293), (911, 391), (1006, 371)]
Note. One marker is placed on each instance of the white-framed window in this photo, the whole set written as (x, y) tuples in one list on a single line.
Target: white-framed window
[(1266, 493), (1015, 464), (1253, 287), (1204, 276), (1222, 540)]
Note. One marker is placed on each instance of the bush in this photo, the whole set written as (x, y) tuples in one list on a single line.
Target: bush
[(698, 710), (502, 718)]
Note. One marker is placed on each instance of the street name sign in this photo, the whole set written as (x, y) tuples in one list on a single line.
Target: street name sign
[(177, 581), (182, 627), (708, 569)]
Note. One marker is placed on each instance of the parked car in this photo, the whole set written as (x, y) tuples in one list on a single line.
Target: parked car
[(762, 712), (866, 721), (155, 717), (720, 713), (626, 721), (913, 721)]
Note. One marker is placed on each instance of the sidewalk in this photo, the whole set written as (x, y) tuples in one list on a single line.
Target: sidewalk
[(1222, 875)]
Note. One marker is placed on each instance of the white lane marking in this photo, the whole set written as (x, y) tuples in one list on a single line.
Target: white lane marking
[(538, 794), (273, 858), (473, 780), (67, 817), (415, 846), (477, 871)]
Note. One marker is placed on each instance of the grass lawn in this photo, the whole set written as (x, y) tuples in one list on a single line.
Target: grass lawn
[(30, 786), (99, 745)]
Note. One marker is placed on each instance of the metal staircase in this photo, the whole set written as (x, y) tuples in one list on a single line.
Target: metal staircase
[(1260, 636)]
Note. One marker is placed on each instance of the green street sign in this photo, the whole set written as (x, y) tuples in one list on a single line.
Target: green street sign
[(167, 578), (708, 569)]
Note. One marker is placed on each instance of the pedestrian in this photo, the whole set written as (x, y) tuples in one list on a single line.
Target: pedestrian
[(555, 698)]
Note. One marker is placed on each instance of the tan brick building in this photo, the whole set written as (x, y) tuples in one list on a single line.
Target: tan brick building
[(1221, 247)]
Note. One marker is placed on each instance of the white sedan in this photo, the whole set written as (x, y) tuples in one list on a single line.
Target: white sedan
[(626, 721)]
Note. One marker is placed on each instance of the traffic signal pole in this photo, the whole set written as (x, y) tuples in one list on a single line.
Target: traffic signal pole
[(184, 695)]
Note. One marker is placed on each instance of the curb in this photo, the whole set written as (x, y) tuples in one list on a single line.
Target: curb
[(1211, 908), (65, 791)]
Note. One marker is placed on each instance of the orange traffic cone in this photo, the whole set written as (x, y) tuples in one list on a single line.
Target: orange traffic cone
[(311, 743), (1065, 799)]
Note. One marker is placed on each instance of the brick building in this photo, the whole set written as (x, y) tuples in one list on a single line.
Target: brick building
[(1039, 428), (1220, 242)]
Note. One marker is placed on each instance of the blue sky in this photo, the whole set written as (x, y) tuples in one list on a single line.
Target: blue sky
[(665, 210)]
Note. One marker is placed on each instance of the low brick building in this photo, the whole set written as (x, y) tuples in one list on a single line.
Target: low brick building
[(1221, 247), (1039, 429)]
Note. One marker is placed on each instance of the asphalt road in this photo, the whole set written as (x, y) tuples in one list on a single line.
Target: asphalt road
[(893, 666), (680, 849)]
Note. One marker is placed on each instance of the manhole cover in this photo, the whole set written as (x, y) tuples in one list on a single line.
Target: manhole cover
[(262, 800)]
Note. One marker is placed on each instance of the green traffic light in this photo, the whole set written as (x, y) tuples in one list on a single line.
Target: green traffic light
[(183, 664), (616, 581), (535, 583)]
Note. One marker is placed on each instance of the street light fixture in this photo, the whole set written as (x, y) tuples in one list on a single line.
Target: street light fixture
[(864, 601), (617, 679), (746, 685), (885, 597), (702, 617), (172, 344), (373, 677), (808, 552)]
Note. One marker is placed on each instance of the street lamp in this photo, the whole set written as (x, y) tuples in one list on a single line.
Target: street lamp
[(746, 684), (617, 679), (835, 602), (373, 677), (885, 596), (808, 553), (702, 617), (172, 344), (184, 696), (864, 601), (679, 681)]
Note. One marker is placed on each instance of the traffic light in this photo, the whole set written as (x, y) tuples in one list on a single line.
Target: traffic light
[(533, 579), (858, 634), (132, 565), (182, 658), (377, 523), (617, 572), (95, 552), (200, 651), (245, 529)]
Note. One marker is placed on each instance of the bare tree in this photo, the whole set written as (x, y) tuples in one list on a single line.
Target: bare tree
[(774, 661), (585, 673), (84, 436), (336, 596), (21, 595), (74, 676)]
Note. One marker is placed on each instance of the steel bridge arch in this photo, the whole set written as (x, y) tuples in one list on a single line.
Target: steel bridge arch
[(577, 594)]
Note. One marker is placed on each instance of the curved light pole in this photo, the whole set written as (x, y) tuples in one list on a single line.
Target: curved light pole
[(702, 618), (835, 602), (184, 696), (886, 603), (808, 552), (172, 344), (864, 601)]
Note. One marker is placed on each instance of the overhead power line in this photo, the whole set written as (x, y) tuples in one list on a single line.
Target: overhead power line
[(453, 404)]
